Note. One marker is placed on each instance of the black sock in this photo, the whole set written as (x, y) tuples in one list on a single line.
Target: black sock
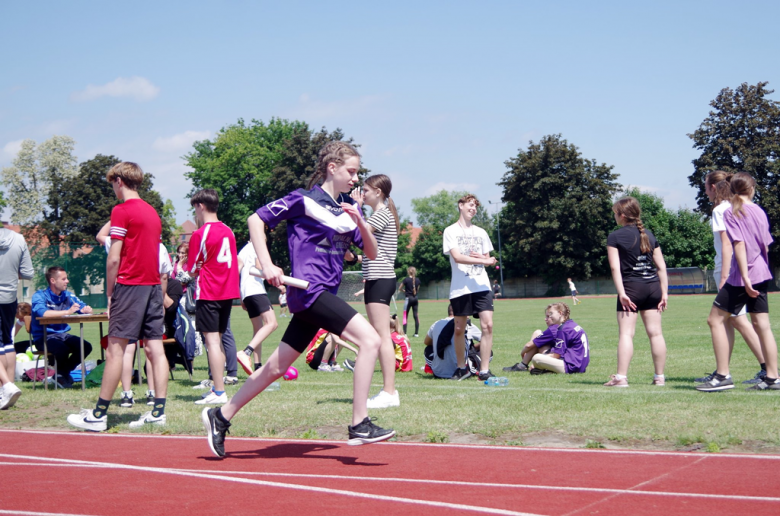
[(720, 377), (763, 367), (258, 365), (101, 408), (159, 407), (249, 350), (218, 415), (404, 329), (770, 381)]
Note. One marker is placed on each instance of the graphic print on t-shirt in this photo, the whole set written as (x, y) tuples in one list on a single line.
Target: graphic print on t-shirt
[(466, 246)]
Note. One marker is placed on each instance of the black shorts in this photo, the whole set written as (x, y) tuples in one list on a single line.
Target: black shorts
[(257, 304), (328, 312), (7, 320), (645, 296), (213, 316), (472, 304), (379, 291), (136, 312), (733, 299)]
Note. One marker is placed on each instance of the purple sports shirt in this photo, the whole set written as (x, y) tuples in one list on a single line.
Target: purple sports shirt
[(571, 343), (752, 228)]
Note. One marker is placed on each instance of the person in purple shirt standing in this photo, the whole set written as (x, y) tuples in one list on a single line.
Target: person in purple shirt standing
[(322, 223), (747, 227), (570, 354)]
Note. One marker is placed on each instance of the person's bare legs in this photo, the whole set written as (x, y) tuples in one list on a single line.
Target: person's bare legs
[(262, 326), (10, 364), (216, 358), (652, 321), (626, 329), (379, 316), (720, 342), (460, 336), (748, 332), (155, 353), (112, 372), (127, 367), (486, 342), (768, 344), (4, 377), (150, 374)]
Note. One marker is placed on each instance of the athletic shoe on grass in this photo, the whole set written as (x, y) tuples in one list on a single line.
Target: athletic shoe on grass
[(205, 384), (367, 432), (764, 386), (324, 368), (658, 382), (384, 400), (517, 368), (716, 385), (349, 364), (231, 380), (86, 420), (215, 430), (148, 419), (461, 374), (536, 371), (336, 368), (615, 382), (756, 379), (245, 360), (10, 393), (484, 375), (213, 399), (706, 378), (127, 400), (149, 398)]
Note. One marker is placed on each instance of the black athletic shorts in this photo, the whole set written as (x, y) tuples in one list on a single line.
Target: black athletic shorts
[(379, 291), (733, 299), (213, 316), (328, 312), (645, 296), (7, 320), (136, 312), (472, 304), (257, 304)]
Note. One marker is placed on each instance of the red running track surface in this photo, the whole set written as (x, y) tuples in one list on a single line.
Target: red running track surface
[(102, 474)]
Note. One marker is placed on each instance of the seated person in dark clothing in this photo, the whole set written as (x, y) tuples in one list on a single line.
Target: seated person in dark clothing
[(55, 301), (171, 303)]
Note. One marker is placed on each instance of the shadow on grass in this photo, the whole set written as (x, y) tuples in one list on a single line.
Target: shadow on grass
[(300, 451), (335, 400)]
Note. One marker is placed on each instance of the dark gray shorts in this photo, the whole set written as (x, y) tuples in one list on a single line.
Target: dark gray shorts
[(136, 312)]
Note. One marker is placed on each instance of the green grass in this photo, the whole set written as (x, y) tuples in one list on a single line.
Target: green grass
[(564, 410)]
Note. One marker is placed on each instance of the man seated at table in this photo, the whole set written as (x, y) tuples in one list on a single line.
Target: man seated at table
[(55, 301)]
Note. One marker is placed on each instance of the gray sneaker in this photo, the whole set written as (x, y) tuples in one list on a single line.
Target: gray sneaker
[(716, 385), (764, 386), (705, 379), (518, 368), (756, 379)]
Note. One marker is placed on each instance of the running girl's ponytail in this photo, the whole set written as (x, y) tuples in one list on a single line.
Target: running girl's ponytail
[(629, 208), (412, 272), (333, 152), (384, 185), (741, 184)]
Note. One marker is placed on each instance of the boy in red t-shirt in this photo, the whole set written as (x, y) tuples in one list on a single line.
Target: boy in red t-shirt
[(212, 256), (135, 298)]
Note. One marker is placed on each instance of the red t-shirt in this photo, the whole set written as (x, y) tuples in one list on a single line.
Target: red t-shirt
[(137, 224), (215, 246)]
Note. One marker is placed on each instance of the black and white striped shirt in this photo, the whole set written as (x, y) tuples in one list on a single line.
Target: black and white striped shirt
[(383, 222)]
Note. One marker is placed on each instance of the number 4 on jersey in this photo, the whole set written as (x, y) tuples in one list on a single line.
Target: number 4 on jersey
[(225, 256)]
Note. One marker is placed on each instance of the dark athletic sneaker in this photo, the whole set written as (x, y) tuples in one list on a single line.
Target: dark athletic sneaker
[(517, 368), (484, 375), (367, 432), (756, 379), (537, 371), (349, 364), (706, 378), (461, 374), (215, 430), (127, 401), (763, 385), (716, 385)]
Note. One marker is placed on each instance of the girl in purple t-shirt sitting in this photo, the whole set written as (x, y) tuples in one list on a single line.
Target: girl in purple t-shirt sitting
[(747, 227)]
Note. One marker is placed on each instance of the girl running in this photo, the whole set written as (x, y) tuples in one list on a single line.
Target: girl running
[(410, 286), (322, 223), (639, 272), (747, 227), (379, 275)]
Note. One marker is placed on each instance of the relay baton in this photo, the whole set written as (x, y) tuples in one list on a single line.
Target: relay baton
[(287, 280)]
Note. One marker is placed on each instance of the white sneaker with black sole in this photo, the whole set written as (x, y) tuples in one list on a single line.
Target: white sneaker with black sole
[(148, 419), (86, 420), (213, 399)]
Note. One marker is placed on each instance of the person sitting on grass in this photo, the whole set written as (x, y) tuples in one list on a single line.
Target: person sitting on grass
[(403, 348), (570, 353), (22, 311), (323, 352), (440, 355), (541, 342)]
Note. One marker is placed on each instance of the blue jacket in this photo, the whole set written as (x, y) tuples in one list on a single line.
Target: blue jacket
[(45, 300)]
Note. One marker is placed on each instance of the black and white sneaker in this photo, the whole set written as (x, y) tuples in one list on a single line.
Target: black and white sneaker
[(706, 378), (367, 432), (716, 384), (349, 364), (127, 400), (764, 385), (517, 368), (484, 375), (461, 374), (537, 371), (149, 398), (756, 379), (215, 430)]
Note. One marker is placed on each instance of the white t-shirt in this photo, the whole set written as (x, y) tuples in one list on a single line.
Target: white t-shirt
[(165, 259), (250, 285), (467, 279), (571, 286), (717, 226)]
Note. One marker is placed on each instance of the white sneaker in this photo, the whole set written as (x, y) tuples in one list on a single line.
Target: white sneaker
[(86, 420), (324, 368), (9, 396), (384, 400), (336, 368), (213, 399), (205, 384), (148, 419)]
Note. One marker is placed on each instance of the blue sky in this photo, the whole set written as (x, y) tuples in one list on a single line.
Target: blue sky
[(439, 94)]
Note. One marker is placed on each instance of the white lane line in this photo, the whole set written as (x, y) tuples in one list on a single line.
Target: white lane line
[(629, 491), (201, 475), (30, 513), (508, 449)]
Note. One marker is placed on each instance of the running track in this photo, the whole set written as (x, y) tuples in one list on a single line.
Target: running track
[(117, 474)]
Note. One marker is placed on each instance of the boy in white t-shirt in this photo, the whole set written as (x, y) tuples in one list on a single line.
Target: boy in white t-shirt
[(469, 247)]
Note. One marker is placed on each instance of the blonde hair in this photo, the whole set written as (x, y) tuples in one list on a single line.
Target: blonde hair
[(562, 309), (741, 184), (333, 152), (412, 272), (395, 327), (130, 173), (629, 208)]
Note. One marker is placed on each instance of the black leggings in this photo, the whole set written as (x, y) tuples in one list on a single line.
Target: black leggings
[(411, 302)]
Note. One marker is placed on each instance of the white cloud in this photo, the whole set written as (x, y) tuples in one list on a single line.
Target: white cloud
[(179, 142), (139, 89), (11, 149), (452, 187)]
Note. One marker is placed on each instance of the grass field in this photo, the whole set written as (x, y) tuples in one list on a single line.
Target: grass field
[(562, 410)]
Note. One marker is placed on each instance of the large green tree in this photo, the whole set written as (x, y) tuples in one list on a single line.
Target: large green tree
[(557, 212), (742, 134), (441, 210)]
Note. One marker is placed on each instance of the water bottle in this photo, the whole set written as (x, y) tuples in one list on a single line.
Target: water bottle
[(275, 386), (497, 381)]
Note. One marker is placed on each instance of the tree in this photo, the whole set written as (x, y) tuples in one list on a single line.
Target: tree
[(30, 177), (441, 210), (557, 212), (427, 256), (742, 134)]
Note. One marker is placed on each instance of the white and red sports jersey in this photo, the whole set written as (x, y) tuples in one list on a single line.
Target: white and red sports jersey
[(137, 224), (212, 255)]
